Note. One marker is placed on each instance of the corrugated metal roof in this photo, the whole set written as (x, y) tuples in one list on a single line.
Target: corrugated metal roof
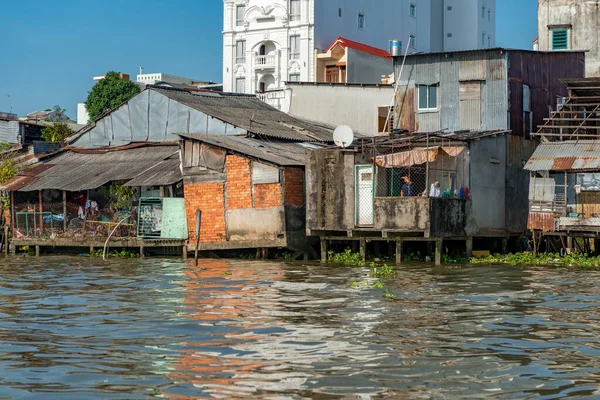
[(74, 171), (280, 153), (251, 114), (565, 156)]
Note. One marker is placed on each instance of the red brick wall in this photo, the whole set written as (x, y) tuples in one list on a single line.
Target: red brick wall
[(294, 186), (267, 195), (210, 199), (239, 191)]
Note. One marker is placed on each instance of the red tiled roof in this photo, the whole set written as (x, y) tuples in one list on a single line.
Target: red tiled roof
[(360, 47)]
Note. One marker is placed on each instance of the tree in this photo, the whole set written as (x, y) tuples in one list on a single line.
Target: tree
[(59, 114), (57, 132), (108, 93)]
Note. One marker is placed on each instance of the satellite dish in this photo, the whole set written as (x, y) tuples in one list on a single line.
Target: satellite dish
[(343, 136)]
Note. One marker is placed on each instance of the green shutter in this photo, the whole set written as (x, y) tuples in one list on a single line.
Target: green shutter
[(560, 39)]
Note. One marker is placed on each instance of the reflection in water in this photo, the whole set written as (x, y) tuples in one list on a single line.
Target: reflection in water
[(82, 328)]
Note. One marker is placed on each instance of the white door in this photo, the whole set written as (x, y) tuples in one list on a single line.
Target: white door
[(364, 195)]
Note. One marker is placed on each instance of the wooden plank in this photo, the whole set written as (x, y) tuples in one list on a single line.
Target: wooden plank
[(188, 153), (568, 126), (196, 154)]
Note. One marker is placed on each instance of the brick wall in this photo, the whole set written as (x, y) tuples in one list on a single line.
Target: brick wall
[(294, 186), (210, 199), (267, 195), (239, 191)]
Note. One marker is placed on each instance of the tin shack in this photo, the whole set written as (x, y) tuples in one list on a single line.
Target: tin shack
[(431, 187)]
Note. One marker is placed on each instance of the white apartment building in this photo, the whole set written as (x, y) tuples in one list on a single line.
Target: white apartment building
[(151, 79), (269, 42), (467, 24)]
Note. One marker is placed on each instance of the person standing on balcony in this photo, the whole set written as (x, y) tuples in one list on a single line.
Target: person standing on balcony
[(407, 188)]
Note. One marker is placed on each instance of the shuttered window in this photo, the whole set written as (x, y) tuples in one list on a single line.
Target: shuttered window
[(262, 173), (560, 39)]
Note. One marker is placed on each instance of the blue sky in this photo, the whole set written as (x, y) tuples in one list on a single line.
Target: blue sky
[(51, 50)]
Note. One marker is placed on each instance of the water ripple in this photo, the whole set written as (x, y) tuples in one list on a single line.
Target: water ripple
[(81, 328)]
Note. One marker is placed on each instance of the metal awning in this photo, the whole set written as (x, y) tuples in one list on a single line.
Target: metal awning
[(85, 170), (417, 156), (570, 155)]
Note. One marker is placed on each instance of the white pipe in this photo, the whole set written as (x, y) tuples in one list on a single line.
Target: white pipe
[(108, 238)]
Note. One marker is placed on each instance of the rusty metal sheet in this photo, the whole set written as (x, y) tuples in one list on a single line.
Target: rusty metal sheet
[(541, 222), (563, 163)]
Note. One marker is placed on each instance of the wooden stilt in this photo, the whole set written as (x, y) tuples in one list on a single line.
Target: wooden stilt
[(363, 248), (535, 244), (469, 246), (398, 252), (504, 245), (64, 210), (323, 250), (438, 251)]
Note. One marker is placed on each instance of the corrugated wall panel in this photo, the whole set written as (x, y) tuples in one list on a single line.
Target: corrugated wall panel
[(496, 67), (494, 105), (428, 121), (470, 114), (9, 131), (449, 96), (427, 70), (472, 67)]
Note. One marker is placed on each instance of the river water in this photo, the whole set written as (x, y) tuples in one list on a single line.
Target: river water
[(81, 328)]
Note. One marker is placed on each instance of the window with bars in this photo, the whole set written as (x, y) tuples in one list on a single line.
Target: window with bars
[(240, 52), (295, 13), (240, 9), (294, 47), (560, 39), (294, 78)]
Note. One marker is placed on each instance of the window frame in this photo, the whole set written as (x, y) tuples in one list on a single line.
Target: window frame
[(237, 80), (295, 74), (428, 100), (566, 38), (240, 59), (239, 22), (412, 10), (412, 41), (294, 55), (361, 20), (295, 17)]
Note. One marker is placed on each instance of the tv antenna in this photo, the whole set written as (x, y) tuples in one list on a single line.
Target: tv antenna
[(343, 136), (9, 105)]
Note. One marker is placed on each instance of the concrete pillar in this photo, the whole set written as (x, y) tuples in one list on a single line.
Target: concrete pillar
[(363, 248), (469, 246), (438, 251), (398, 252), (91, 248), (184, 252), (323, 250), (13, 249), (504, 245), (37, 250), (142, 255), (570, 243)]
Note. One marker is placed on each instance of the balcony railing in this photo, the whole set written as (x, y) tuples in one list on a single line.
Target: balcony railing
[(267, 61)]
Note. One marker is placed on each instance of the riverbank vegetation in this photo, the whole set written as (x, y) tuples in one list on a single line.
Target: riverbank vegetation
[(526, 258)]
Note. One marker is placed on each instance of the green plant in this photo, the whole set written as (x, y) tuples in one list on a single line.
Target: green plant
[(119, 196), (8, 170), (114, 253), (389, 295), (346, 258), (377, 285), (109, 93), (288, 257), (454, 259), (384, 272), (57, 132), (411, 257), (571, 260)]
